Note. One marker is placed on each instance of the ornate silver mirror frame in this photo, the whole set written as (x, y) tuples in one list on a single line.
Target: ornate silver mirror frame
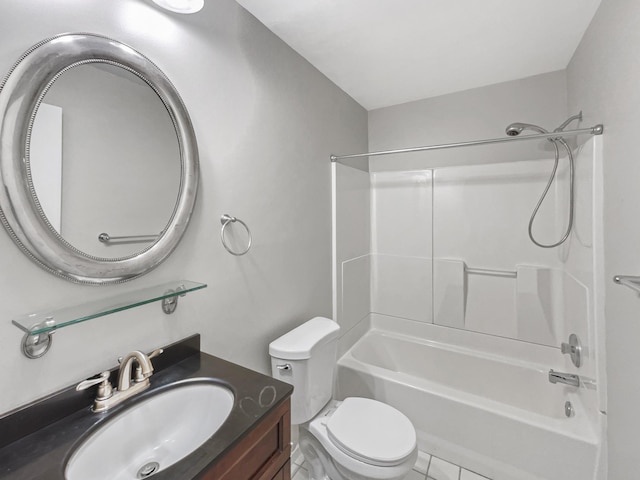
[(21, 93)]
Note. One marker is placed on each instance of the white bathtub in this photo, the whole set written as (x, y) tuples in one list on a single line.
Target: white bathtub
[(497, 416)]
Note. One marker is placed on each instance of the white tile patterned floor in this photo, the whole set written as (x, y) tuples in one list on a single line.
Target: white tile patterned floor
[(435, 468)]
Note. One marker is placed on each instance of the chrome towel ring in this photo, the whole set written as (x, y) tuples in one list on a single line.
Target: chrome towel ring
[(226, 220)]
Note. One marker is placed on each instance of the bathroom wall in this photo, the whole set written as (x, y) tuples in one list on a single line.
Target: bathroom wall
[(473, 114), (266, 121), (604, 80)]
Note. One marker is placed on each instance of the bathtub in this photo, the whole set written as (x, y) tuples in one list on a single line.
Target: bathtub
[(495, 415)]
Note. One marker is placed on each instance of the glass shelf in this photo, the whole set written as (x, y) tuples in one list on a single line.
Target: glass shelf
[(47, 322)]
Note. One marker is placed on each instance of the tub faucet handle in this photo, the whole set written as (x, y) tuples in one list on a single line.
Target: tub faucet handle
[(573, 349), (565, 378)]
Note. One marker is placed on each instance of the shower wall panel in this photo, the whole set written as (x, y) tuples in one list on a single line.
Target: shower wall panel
[(356, 291), (402, 211), (402, 244), (480, 221), (434, 232), (401, 287), (351, 246)]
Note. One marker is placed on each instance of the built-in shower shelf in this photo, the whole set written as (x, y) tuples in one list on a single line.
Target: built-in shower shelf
[(39, 326), (633, 282)]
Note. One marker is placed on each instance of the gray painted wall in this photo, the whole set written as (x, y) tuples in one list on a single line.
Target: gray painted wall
[(604, 81), (470, 115), (266, 121)]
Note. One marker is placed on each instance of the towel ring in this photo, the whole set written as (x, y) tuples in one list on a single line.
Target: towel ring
[(226, 220)]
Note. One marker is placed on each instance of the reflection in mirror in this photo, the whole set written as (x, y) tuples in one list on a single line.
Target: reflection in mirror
[(120, 157), (45, 154)]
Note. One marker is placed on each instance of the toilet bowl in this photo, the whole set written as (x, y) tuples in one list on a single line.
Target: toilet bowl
[(358, 439), (354, 439)]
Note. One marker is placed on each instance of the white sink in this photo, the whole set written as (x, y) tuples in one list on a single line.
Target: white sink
[(152, 435)]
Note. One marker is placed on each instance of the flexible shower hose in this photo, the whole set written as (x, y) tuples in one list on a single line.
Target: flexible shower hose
[(546, 190)]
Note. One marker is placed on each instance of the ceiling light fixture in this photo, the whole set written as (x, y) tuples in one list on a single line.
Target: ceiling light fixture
[(181, 6)]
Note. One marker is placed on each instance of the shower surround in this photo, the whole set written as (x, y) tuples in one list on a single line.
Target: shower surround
[(453, 316)]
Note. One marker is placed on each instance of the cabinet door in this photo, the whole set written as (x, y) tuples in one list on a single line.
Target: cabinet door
[(284, 473), (261, 454)]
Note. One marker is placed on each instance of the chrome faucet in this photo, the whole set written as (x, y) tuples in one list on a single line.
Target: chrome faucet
[(128, 386), (142, 372), (566, 378)]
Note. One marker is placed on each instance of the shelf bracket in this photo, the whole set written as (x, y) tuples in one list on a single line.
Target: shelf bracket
[(170, 303), (35, 345)]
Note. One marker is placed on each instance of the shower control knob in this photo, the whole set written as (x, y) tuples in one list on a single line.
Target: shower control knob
[(573, 349)]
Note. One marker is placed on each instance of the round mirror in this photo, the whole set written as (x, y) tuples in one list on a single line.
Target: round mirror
[(111, 170), (98, 132)]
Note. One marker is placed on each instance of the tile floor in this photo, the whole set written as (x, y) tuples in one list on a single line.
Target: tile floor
[(427, 467)]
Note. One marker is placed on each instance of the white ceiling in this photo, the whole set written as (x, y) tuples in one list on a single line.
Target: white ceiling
[(386, 52)]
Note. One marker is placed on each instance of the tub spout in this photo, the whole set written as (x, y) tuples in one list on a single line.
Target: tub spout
[(566, 378)]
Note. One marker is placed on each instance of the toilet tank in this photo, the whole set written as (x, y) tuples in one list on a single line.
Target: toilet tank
[(305, 357)]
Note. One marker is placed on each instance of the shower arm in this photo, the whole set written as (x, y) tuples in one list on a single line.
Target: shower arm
[(595, 130), (568, 121)]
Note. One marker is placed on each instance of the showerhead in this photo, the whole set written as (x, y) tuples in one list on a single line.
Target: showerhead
[(514, 129), (517, 128)]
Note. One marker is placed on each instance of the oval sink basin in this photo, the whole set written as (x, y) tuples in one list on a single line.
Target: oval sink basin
[(153, 434)]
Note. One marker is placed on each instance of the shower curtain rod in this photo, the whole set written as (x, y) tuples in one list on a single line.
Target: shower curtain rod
[(595, 130)]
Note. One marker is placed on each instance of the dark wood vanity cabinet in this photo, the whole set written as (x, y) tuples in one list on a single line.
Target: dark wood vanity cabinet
[(263, 454)]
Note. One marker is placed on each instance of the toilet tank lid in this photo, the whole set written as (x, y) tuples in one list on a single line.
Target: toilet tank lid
[(299, 343)]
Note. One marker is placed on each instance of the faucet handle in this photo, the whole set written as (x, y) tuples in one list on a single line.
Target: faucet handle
[(138, 376), (105, 390), (155, 353), (104, 376), (573, 349)]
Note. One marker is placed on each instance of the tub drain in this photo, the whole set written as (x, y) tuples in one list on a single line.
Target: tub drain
[(148, 469)]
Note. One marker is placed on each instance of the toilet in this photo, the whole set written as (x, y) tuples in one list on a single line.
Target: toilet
[(354, 439)]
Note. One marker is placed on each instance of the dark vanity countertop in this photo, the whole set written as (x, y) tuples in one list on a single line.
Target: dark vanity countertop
[(43, 453)]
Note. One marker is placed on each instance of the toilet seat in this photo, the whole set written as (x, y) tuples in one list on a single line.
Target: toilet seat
[(372, 432), (345, 462)]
